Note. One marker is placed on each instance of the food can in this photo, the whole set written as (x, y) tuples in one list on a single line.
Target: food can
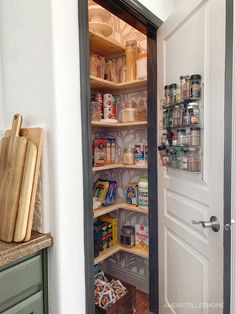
[(109, 107)]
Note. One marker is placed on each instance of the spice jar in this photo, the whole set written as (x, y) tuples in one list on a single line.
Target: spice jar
[(131, 60), (127, 236), (172, 93), (128, 156), (194, 162), (129, 114), (142, 66), (195, 136), (185, 84), (181, 137), (195, 86), (193, 109), (167, 96)]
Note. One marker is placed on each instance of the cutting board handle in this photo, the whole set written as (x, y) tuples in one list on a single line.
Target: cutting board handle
[(16, 125)]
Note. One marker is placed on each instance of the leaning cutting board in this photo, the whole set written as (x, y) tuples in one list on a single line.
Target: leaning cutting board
[(12, 158), (25, 192), (36, 136)]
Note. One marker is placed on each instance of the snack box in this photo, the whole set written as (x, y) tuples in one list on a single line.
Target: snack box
[(141, 237), (114, 222), (127, 304), (131, 190)]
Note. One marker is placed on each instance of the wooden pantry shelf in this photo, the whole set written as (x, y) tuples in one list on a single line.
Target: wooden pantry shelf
[(105, 46), (135, 251), (107, 253), (119, 166), (117, 248), (98, 83), (119, 124), (104, 210)]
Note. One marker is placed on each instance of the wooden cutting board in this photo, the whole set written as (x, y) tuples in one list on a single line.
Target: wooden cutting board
[(12, 158), (26, 192), (35, 136)]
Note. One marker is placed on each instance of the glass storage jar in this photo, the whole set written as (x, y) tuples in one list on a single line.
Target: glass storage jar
[(193, 109), (131, 60), (195, 136), (127, 236), (128, 156), (95, 111), (195, 86), (194, 161), (185, 87), (142, 66), (181, 137)]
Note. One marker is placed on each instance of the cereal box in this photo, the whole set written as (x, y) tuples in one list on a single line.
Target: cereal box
[(141, 237)]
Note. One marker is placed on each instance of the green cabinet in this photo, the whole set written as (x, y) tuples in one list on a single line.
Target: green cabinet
[(23, 286)]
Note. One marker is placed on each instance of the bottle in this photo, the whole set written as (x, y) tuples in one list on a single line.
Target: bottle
[(195, 86)]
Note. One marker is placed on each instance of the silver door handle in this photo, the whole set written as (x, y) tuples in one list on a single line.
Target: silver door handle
[(214, 223)]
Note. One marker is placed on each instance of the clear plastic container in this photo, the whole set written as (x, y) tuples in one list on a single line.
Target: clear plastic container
[(142, 66)]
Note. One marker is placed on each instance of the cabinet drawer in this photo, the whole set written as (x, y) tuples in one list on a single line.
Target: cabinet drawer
[(20, 281), (32, 305)]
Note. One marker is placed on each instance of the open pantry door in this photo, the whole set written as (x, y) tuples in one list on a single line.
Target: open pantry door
[(191, 254)]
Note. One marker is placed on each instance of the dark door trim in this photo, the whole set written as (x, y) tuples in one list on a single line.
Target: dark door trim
[(141, 18), (228, 150)]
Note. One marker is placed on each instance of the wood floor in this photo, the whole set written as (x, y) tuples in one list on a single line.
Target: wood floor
[(142, 302)]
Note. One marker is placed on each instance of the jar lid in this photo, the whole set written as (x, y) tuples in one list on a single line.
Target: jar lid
[(196, 77), (128, 229), (131, 42), (143, 179), (193, 149), (194, 128), (166, 86), (186, 77), (173, 85), (178, 149), (142, 55), (183, 130), (129, 149)]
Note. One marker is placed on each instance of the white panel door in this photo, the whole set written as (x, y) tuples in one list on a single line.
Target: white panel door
[(192, 41)]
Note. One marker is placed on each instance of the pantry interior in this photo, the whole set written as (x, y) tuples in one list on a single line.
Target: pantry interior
[(120, 110)]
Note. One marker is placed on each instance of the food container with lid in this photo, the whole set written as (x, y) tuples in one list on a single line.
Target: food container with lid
[(127, 236), (142, 66), (131, 60)]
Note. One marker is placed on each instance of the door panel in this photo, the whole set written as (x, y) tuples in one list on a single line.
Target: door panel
[(192, 41)]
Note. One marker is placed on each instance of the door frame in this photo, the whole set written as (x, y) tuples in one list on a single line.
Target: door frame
[(135, 14), (228, 103)]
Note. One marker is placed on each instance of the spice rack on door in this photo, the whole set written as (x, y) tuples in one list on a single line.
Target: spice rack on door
[(181, 146), (106, 86)]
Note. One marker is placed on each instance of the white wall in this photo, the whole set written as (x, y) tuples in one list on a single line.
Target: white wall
[(39, 78), (161, 8), (40, 73)]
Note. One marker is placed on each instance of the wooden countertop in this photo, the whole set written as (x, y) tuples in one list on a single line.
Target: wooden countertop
[(11, 252)]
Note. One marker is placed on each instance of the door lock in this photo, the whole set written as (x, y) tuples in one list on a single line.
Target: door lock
[(214, 223), (229, 226)]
